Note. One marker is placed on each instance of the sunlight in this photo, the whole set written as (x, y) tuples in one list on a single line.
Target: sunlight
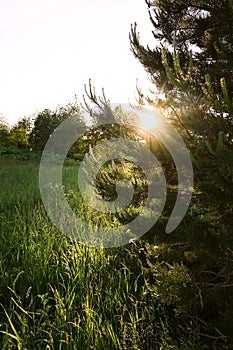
[(150, 121)]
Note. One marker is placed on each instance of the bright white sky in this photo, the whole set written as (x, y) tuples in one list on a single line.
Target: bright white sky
[(50, 49)]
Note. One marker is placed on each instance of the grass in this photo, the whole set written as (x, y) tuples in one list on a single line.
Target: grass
[(58, 294)]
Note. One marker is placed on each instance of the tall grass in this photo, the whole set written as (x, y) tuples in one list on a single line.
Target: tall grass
[(58, 294)]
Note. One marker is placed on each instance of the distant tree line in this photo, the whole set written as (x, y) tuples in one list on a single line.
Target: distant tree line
[(32, 135)]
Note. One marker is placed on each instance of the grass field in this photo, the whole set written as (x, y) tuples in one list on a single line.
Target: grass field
[(58, 294)]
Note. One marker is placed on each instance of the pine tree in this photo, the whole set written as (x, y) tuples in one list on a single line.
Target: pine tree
[(193, 48), (192, 69), (202, 26)]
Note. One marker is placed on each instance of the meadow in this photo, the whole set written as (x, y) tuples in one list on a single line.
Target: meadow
[(59, 294)]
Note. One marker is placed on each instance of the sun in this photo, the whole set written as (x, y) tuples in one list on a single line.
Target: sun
[(150, 121)]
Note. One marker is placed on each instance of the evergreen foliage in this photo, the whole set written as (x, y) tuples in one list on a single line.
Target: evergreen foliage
[(192, 69)]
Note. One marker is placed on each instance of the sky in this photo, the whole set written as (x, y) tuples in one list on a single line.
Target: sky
[(51, 48)]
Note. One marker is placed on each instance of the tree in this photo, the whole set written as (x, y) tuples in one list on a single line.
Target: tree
[(4, 132), (204, 27), (192, 69), (47, 121), (194, 47), (19, 134)]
